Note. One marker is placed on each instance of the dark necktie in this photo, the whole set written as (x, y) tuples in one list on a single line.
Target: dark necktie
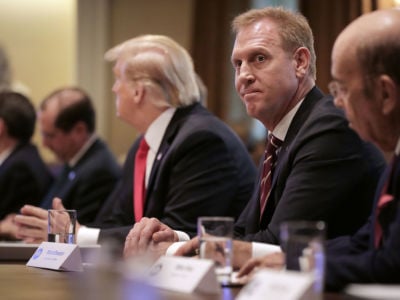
[(385, 198), (61, 180), (268, 166), (139, 179)]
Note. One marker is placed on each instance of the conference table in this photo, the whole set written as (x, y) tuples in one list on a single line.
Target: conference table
[(18, 281)]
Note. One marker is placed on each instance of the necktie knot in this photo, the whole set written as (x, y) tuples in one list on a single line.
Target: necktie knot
[(143, 147), (273, 144)]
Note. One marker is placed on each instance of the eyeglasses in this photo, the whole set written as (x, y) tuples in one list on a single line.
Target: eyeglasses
[(336, 89)]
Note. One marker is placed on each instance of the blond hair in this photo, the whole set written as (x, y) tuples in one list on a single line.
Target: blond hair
[(159, 60), (294, 29)]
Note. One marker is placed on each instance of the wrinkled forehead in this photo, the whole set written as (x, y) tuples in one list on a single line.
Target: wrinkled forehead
[(260, 34)]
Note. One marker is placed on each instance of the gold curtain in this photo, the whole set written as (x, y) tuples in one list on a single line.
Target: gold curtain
[(211, 48), (327, 19)]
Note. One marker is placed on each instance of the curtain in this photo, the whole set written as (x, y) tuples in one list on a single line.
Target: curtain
[(327, 19), (212, 46)]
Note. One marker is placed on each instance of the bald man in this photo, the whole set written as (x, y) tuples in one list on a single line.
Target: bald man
[(365, 68)]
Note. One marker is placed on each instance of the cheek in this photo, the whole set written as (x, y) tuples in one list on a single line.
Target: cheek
[(237, 84)]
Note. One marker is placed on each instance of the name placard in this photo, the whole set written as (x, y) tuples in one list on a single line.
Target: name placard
[(282, 285), (57, 256), (185, 275)]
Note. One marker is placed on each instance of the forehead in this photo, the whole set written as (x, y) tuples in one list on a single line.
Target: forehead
[(48, 115), (344, 62), (118, 66), (260, 34)]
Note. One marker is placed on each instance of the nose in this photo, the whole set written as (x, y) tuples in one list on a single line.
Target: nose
[(245, 75), (338, 101)]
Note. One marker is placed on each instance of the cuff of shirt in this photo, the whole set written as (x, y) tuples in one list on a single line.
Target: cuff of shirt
[(182, 236), (262, 249), (173, 248), (87, 236)]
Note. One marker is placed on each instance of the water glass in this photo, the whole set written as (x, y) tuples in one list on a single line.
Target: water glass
[(215, 234), (303, 244), (61, 226)]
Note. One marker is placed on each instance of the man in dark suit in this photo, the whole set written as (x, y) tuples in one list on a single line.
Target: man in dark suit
[(365, 68), (321, 164), (365, 60), (199, 165), (24, 177), (195, 164), (89, 172)]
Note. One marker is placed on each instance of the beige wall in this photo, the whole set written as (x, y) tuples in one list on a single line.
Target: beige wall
[(39, 37), (48, 50)]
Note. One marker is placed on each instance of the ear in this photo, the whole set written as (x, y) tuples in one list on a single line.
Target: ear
[(2, 126), (302, 61), (139, 92), (389, 93), (80, 127)]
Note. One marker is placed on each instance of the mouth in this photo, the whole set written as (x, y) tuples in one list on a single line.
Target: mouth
[(247, 95)]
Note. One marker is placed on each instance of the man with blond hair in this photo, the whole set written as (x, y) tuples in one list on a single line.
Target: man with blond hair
[(365, 69), (321, 166), (194, 165)]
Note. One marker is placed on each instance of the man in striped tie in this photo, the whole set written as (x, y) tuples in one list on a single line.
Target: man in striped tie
[(322, 166), (366, 73)]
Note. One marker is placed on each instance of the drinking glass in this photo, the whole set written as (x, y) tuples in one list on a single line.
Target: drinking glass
[(61, 226), (215, 234), (303, 244)]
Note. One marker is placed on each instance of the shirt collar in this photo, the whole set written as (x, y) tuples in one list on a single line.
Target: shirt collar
[(282, 128), (157, 128), (5, 154), (73, 161), (397, 149)]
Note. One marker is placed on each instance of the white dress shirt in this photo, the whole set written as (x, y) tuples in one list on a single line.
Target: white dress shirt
[(258, 249), (153, 137)]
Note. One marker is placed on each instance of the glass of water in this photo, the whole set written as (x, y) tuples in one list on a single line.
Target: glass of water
[(303, 243), (215, 234), (61, 226)]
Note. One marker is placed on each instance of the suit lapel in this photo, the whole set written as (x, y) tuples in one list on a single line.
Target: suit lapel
[(300, 117), (170, 133)]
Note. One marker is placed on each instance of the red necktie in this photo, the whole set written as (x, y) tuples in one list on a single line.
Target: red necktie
[(383, 201), (268, 166), (139, 179)]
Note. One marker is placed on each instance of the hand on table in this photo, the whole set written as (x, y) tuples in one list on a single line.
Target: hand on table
[(272, 261), (8, 228), (149, 235)]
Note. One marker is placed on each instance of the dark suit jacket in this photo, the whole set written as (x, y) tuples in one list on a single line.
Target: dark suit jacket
[(355, 259), (202, 168), (88, 183), (24, 179), (323, 172)]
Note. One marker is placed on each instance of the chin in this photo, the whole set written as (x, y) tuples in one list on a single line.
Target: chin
[(251, 110)]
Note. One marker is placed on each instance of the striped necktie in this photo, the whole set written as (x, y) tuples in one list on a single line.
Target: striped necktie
[(268, 166)]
